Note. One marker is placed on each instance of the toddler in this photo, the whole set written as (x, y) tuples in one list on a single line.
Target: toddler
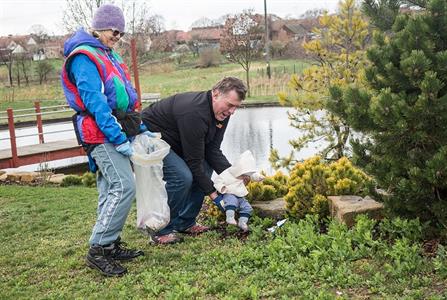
[(231, 185)]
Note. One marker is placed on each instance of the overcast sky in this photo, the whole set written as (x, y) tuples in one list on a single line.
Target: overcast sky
[(17, 16)]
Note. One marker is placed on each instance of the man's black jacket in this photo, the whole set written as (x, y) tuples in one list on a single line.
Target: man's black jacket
[(186, 122)]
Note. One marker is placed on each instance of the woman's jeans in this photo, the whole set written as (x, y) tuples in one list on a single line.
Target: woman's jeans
[(116, 187), (184, 195)]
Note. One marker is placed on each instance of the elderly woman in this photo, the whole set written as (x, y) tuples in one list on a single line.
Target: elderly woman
[(97, 86)]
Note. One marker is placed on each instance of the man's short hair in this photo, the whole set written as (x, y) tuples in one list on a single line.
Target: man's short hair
[(228, 84)]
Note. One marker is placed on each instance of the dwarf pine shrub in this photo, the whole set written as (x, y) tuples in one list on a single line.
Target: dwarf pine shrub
[(272, 187), (89, 179), (71, 180), (313, 180)]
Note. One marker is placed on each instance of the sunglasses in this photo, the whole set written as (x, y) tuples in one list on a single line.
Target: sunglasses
[(116, 33)]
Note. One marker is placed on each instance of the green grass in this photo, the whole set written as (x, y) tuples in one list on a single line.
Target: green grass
[(166, 79), (44, 233)]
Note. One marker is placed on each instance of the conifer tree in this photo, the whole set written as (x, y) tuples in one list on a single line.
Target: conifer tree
[(403, 113), (383, 13), (339, 56)]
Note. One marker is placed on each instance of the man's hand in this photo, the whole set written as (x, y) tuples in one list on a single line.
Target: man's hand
[(245, 178)]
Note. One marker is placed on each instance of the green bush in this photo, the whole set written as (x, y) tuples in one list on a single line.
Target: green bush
[(272, 187), (398, 228), (89, 179), (71, 180), (439, 262), (313, 180), (400, 111)]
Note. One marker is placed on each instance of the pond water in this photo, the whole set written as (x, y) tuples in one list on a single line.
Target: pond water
[(260, 130), (257, 129)]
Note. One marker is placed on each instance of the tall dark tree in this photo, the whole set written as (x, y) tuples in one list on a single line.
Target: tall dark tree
[(382, 13), (403, 114)]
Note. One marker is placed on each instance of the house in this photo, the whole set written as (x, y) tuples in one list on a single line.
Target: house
[(53, 48), (293, 30), (27, 45), (206, 37)]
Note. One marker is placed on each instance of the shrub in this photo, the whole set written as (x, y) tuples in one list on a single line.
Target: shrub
[(212, 210), (209, 58), (272, 187), (89, 179), (313, 180), (398, 228), (401, 110), (71, 180), (439, 262)]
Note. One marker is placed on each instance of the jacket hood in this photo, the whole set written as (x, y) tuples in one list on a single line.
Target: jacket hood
[(81, 37), (245, 165)]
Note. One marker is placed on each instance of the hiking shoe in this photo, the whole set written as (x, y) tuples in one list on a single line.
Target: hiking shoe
[(196, 229), (99, 258), (119, 252), (165, 239)]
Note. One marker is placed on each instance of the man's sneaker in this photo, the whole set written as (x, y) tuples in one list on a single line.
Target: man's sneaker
[(196, 229), (119, 252), (165, 239), (99, 258)]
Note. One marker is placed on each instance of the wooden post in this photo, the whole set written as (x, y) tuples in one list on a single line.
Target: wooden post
[(136, 78), (12, 138), (39, 122)]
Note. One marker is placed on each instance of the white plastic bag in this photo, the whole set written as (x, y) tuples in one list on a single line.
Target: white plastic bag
[(152, 199)]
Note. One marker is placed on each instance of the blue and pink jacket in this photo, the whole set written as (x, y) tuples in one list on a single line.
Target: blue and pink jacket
[(92, 97)]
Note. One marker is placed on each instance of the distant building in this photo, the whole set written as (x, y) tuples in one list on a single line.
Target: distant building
[(27, 45), (206, 37)]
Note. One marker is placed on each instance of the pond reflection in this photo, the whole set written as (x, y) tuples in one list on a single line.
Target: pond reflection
[(259, 130)]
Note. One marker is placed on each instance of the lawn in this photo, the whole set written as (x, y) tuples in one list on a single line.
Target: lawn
[(166, 79), (44, 233)]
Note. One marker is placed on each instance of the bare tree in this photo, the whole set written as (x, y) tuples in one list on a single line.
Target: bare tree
[(39, 32), (156, 24), (43, 68), (203, 22), (242, 40), (22, 67), (313, 13), (79, 13), (7, 59)]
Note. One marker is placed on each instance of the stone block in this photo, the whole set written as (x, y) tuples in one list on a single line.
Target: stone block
[(29, 177), (346, 208), (15, 177), (275, 209), (3, 177), (2, 172), (57, 178)]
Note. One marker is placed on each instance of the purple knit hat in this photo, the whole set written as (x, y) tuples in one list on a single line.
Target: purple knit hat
[(108, 16)]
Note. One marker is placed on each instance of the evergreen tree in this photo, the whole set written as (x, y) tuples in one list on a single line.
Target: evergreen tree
[(339, 56), (382, 13), (403, 114)]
